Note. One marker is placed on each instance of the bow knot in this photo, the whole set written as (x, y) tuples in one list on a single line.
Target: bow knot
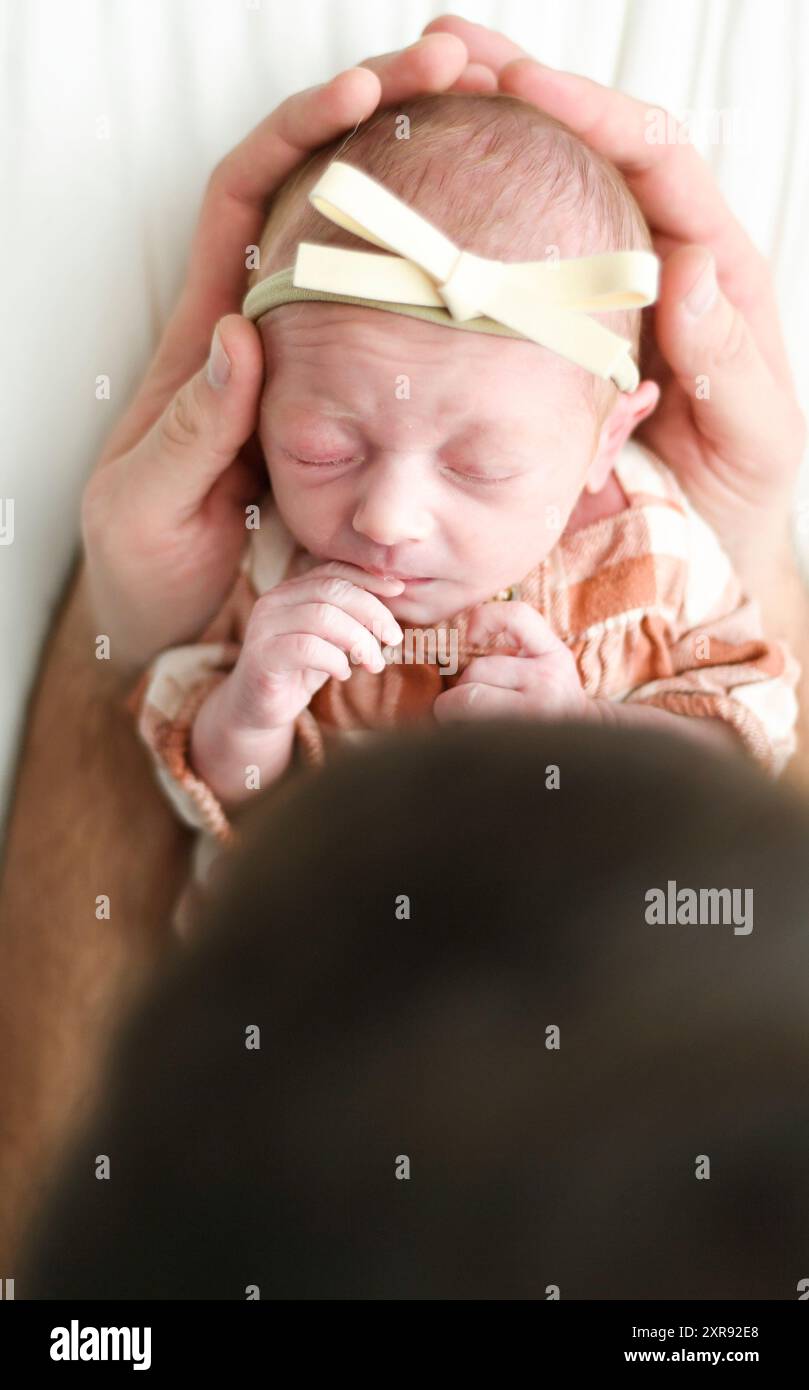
[(470, 281)]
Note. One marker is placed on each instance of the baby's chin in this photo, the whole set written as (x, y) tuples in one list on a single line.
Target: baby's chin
[(432, 601), (428, 601)]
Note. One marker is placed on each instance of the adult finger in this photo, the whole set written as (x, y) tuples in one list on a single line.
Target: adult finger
[(202, 429), (483, 45), (476, 78), (706, 341), (428, 65), (676, 189)]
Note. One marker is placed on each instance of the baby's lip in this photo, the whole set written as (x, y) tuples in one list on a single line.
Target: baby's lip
[(393, 574)]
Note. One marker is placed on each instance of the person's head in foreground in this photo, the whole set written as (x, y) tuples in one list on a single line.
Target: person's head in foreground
[(451, 458), (429, 1043)]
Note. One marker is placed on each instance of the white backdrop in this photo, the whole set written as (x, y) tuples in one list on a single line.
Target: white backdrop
[(115, 111)]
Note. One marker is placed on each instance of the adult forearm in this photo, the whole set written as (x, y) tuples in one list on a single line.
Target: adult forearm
[(88, 824)]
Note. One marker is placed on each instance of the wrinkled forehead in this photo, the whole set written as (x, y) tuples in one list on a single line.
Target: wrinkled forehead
[(359, 353)]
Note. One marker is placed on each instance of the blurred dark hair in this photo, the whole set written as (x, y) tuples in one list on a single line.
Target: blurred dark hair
[(425, 1037)]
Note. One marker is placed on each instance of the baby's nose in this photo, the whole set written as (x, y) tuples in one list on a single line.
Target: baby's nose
[(391, 510), (387, 529)]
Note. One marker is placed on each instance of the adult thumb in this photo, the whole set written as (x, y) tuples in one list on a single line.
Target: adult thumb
[(209, 419), (711, 350)]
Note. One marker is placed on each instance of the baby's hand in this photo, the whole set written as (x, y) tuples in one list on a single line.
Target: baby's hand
[(540, 681), (298, 635)]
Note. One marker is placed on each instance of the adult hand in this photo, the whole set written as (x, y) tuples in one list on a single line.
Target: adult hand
[(163, 514), (736, 452)]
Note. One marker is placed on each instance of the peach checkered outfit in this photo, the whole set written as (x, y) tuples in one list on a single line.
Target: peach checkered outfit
[(646, 600)]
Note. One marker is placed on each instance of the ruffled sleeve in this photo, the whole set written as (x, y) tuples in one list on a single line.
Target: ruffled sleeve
[(655, 614), (165, 704)]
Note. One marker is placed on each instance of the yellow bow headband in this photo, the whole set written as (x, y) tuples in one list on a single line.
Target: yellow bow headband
[(543, 301)]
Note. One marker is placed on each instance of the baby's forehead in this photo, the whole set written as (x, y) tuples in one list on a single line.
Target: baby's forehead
[(339, 370), (347, 341), (310, 324)]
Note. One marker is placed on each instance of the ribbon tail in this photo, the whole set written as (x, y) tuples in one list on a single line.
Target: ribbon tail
[(363, 275), (591, 284), (571, 334)]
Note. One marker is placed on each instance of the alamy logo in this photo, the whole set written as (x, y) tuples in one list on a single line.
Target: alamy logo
[(700, 907), (419, 646), (103, 1344)]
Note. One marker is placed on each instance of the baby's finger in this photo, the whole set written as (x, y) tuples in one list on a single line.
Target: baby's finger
[(504, 672), (331, 587), (476, 701), (324, 620), (384, 584), (304, 651), (527, 630)]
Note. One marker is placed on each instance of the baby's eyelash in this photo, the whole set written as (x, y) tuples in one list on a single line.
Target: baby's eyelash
[(477, 478), (334, 463), (319, 463)]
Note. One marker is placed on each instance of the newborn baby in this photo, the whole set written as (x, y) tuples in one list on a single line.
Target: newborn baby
[(418, 472)]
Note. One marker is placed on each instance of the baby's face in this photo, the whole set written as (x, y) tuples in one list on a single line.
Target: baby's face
[(449, 458)]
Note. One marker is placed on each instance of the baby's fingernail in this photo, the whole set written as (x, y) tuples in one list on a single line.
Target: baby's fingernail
[(218, 363)]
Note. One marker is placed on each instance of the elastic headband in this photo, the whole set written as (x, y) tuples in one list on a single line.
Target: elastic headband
[(545, 302)]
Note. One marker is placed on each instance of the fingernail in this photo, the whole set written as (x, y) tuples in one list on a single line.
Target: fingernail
[(702, 295), (218, 363)]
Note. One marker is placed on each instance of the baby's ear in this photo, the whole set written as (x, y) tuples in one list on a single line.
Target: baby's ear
[(624, 417)]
